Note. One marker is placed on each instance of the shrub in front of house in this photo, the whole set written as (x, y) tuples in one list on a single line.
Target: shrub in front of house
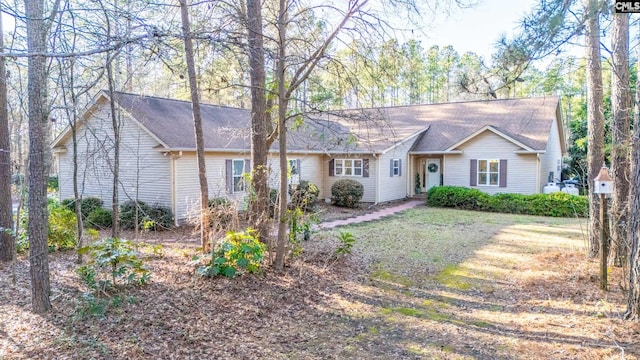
[(305, 195), (557, 204), (347, 193), (87, 205), (221, 212), (159, 218), (457, 197), (155, 217), (62, 227), (99, 218), (128, 214)]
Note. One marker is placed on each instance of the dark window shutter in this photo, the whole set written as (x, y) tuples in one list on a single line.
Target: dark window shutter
[(331, 169), (391, 167), (503, 173), (247, 166), (473, 175), (228, 164), (399, 167), (365, 167), (298, 168)]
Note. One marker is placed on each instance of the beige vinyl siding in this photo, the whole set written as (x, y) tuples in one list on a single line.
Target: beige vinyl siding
[(393, 188), (369, 183), (521, 169), (311, 170), (187, 185), (553, 154), (144, 172)]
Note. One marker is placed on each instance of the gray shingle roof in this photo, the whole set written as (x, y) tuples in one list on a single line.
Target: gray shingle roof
[(440, 126), (527, 121)]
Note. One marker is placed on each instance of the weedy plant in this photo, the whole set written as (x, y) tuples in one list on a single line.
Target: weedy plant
[(238, 252), (112, 261), (346, 241), (299, 229)]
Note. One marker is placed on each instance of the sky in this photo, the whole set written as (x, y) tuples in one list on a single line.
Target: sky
[(477, 28)]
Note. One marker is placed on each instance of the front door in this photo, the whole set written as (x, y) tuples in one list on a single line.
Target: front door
[(432, 171)]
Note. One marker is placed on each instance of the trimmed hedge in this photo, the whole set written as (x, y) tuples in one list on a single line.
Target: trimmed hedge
[(347, 193), (557, 204)]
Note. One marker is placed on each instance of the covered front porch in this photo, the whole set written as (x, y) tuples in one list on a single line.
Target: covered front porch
[(427, 171)]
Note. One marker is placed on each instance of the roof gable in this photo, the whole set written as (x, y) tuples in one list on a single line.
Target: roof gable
[(493, 130)]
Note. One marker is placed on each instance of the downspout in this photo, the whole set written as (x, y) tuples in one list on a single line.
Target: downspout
[(174, 186), (538, 183), (409, 175), (377, 181)]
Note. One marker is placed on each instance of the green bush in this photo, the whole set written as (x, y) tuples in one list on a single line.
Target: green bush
[(557, 204), (52, 183), (99, 219), (62, 227), (127, 214), (155, 217), (239, 251), (347, 193), (112, 260), (159, 218), (87, 205), (305, 195), (457, 197)]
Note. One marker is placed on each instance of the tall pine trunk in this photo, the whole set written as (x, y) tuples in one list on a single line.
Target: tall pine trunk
[(259, 206), (197, 126), (621, 119), (115, 166), (595, 118), (633, 300), (7, 243), (282, 136), (38, 158)]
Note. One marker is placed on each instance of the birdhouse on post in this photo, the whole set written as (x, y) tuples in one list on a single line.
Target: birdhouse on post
[(603, 185), (603, 182)]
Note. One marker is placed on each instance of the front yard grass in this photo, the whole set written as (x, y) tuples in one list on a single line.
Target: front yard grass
[(457, 284), (424, 284)]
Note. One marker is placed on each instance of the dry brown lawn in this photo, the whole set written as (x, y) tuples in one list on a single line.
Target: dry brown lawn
[(425, 284)]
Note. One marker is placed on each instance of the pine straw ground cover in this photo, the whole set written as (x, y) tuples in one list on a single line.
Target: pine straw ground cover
[(428, 283)]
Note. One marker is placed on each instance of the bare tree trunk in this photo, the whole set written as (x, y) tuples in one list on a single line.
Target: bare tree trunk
[(633, 300), (115, 202), (259, 121), (7, 242), (197, 125), (621, 110), (595, 117), (282, 135), (38, 158)]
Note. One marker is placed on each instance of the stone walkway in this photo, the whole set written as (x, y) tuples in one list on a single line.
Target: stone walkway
[(376, 215)]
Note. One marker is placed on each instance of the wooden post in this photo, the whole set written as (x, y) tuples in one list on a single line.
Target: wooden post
[(604, 241)]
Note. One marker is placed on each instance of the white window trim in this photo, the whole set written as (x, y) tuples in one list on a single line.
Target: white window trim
[(343, 167), (488, 172), (293, 177), (241, 176), (396, 167)]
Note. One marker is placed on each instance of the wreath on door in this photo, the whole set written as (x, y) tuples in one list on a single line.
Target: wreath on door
[(432, 167)]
